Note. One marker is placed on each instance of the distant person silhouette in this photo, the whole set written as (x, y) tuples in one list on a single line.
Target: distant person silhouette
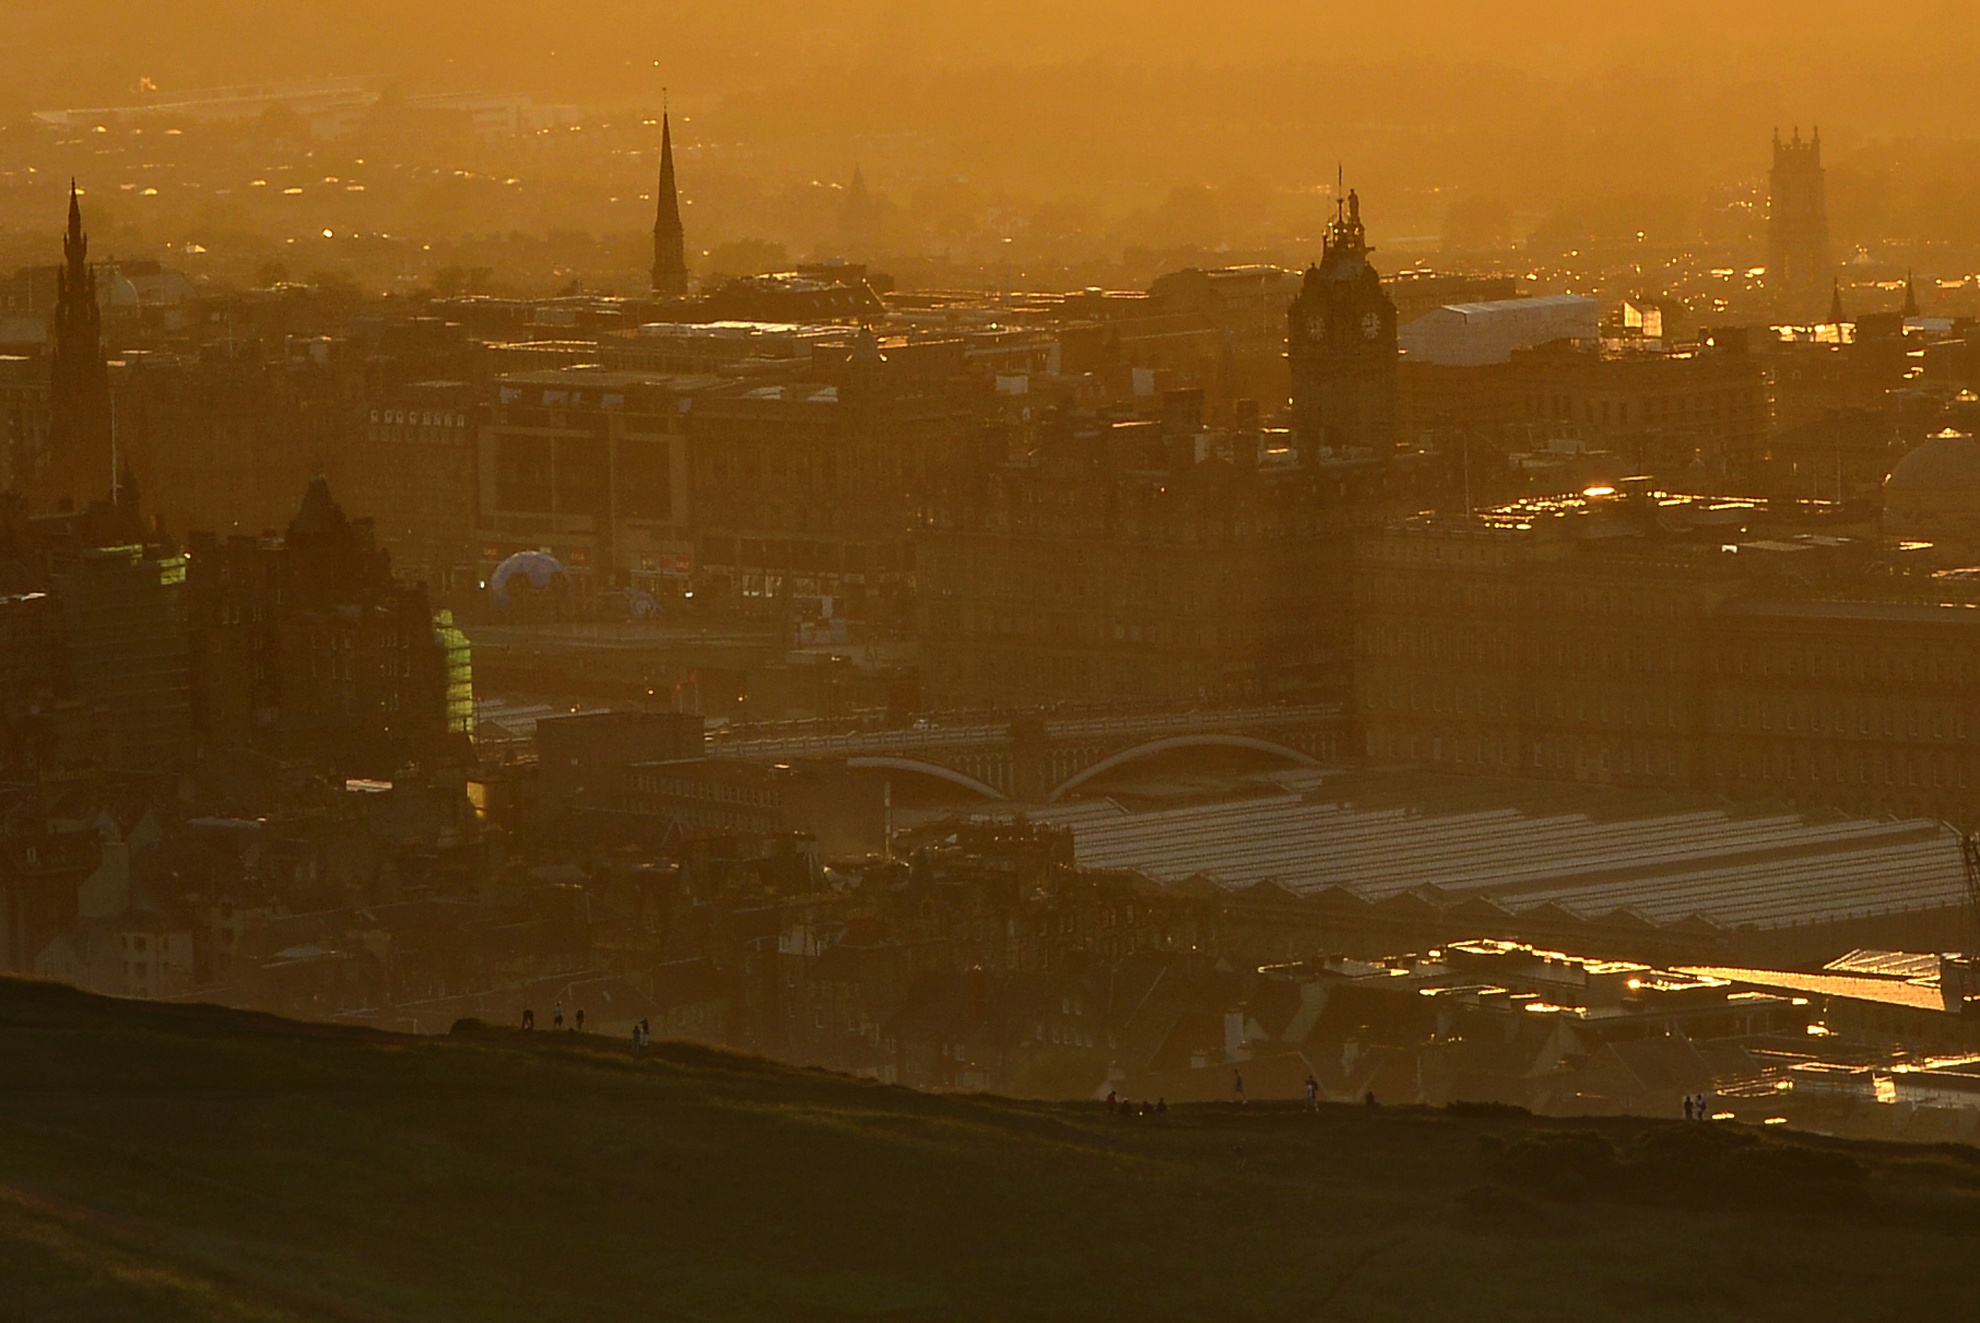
[(1687, 1107), (1237, 1083), (529, 1018), (1161, 1105), (1312, 1094), (557, 1016), (580, 1020)]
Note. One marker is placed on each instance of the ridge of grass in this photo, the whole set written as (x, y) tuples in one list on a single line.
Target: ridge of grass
[(174, 1162)]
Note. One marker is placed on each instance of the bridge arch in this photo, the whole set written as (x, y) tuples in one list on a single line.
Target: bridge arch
[(922, 768), (1153, 747)]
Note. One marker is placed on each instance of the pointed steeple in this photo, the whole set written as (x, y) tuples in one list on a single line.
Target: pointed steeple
[(77, 464), (859, 217), (75, 244), (669, 235), (1910, 296), (1836, 317)]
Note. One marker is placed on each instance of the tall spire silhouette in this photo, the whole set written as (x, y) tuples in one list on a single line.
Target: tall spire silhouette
[(669, 236), (77, 466)]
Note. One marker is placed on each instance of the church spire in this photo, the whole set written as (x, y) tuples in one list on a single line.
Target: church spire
[(1836, 317), (75, 244), (669, 235), (1910, 296)]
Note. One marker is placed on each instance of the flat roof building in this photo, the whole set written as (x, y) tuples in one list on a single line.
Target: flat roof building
[(1473, 334)]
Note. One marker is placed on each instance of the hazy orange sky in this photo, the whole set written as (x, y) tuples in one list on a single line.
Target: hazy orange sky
[(1545, 107), (1872, 61)]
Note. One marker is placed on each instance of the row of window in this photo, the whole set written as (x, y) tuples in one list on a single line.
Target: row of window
[(707, 792), (1860, 719)]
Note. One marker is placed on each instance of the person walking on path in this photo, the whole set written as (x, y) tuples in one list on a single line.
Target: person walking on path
[(529, 1018), (580, 1020), (1312, 1094), (557, 1015)]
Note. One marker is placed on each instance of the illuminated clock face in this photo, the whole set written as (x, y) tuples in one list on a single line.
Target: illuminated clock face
[(1371, 325), (1316, 327)]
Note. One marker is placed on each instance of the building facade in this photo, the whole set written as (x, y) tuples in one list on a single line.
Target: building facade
[(1586, 644), (1123, 560), (591, 466)]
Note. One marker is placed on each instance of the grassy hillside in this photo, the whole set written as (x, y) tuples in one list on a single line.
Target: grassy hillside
[(176, 1163)]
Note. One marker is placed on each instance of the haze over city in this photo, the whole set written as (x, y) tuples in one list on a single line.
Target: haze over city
[(989, 660)]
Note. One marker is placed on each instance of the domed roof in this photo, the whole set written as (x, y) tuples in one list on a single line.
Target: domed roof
[(1947, 462), (538, 569)]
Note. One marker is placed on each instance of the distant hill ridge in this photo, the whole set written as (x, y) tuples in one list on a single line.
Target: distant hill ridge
[(183, 1162)]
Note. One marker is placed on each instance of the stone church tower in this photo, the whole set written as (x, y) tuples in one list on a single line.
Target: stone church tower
[(1799, 267)]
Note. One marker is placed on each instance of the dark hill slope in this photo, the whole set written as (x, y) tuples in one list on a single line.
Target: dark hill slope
[(166, 1162)]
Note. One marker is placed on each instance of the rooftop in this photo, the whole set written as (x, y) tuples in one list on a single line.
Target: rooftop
[(1527, 846)]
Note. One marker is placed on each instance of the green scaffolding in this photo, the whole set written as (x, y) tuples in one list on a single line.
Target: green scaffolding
[(460, 673)]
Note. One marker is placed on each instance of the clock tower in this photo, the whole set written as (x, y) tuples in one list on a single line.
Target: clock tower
[(1341, 342)]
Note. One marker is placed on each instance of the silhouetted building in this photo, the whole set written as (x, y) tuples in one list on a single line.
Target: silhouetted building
[(843, 811), (78, 463), (669, 236), (1247, 306), (581, 759), (817, 292), (1689, 418), (860, 217), (1654, 641), (592, 467), (43, 862), (1799, 267), (225, 438), (1933, 495), (411, 468), (1125, 560), (306, 646), (124, 633), (23, 418), (1342, 346), (808, 493)]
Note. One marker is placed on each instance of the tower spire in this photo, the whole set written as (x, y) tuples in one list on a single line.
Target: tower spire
[(1910, 295), (75, 244), (669, 236), (78, 454)]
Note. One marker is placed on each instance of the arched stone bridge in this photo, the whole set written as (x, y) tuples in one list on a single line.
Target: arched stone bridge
[(1038, 759)]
